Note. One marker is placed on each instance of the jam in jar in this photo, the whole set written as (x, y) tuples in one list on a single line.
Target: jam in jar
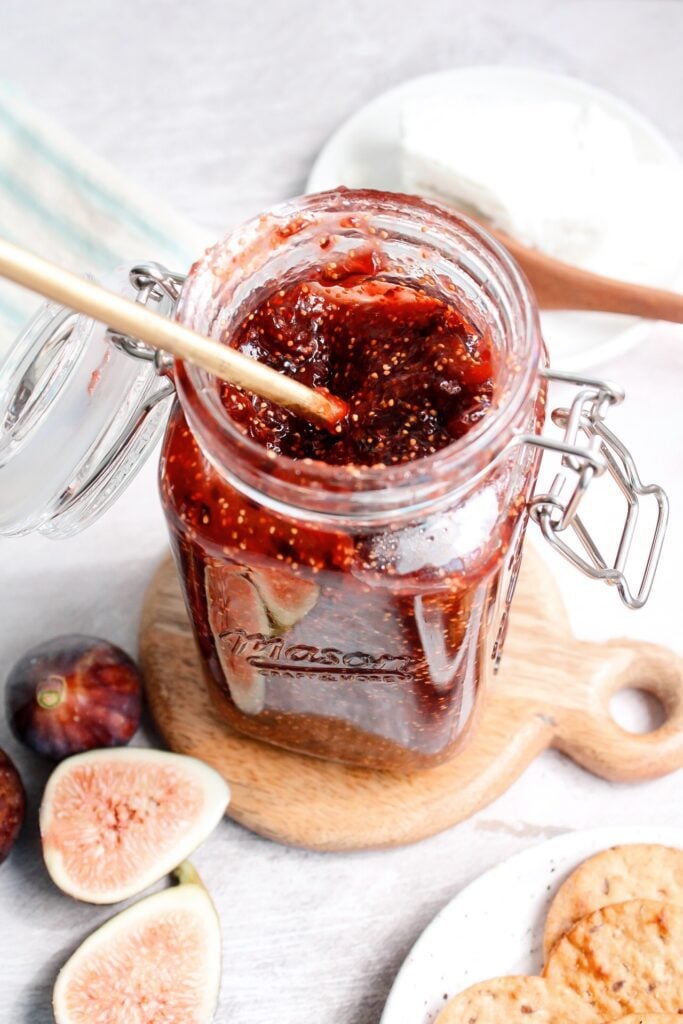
[(348, 588)]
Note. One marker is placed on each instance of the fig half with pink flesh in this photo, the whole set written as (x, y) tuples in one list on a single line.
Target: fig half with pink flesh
[(113, 822), (159, 960)]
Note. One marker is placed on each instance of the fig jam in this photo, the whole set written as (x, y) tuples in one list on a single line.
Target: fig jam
[(347, 587), (414, 373)]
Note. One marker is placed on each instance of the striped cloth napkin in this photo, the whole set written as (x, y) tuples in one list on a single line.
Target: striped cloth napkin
[(61, 201)]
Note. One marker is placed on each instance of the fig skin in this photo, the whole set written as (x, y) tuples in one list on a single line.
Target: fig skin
[(72, 694), (12, 805)]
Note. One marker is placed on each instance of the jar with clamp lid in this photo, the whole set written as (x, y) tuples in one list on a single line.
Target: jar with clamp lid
[(350, 609)]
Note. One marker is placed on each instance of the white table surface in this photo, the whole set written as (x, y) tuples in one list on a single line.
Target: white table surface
[(219, 107)]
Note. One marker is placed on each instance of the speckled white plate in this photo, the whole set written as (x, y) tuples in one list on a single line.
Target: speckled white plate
[(365, 153), (495, 925)]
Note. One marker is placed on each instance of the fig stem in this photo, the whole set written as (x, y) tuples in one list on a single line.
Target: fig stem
[(51, 692), (186, 874)]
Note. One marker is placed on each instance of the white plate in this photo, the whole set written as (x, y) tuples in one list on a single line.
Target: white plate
[(364, 153), (495, 926)]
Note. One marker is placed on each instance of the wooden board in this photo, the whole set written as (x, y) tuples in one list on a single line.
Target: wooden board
[(552, 691)]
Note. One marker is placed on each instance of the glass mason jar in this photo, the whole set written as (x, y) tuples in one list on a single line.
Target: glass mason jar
[(350, 612)]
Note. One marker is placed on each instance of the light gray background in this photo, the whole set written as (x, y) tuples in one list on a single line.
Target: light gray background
[(219, 108)]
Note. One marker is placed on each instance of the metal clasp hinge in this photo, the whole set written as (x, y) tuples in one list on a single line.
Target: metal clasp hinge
[(156, 286), (588, 449)]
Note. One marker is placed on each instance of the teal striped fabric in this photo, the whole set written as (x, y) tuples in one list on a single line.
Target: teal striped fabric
[(58, 199)]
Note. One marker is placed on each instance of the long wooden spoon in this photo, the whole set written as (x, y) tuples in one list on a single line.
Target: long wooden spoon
[(51, 281), (559, 285)]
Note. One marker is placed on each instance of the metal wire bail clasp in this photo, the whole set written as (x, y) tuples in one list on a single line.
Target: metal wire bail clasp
[(155, 286), (588, 448)]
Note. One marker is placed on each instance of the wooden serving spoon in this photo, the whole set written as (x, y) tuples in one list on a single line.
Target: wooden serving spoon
[(559, 285)]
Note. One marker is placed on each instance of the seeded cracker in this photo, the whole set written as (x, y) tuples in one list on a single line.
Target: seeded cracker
[(641, 871), (516, 1000), (624, 959)]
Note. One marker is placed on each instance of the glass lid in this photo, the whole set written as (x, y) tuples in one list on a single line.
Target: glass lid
[(80, 409)]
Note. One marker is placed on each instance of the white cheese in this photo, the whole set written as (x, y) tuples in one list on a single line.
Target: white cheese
[(564, 177)]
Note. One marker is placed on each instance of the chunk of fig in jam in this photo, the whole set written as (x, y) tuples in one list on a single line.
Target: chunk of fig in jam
[(12, 805), (74, 693)]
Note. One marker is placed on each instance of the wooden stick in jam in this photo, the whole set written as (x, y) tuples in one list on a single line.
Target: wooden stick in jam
[(53, 282)]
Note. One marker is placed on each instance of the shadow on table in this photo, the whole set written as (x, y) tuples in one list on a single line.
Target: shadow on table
[(36, 1004), (378, 983)]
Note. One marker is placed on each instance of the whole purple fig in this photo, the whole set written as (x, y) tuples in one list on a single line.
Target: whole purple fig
[(74, 693)]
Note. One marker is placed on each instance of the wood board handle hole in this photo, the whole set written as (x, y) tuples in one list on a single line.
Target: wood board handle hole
[(637, 710), (591, 735)]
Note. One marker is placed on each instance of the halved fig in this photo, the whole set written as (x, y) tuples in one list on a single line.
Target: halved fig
[(238, 618), (115, 821), (286, 596), (159, 960)]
